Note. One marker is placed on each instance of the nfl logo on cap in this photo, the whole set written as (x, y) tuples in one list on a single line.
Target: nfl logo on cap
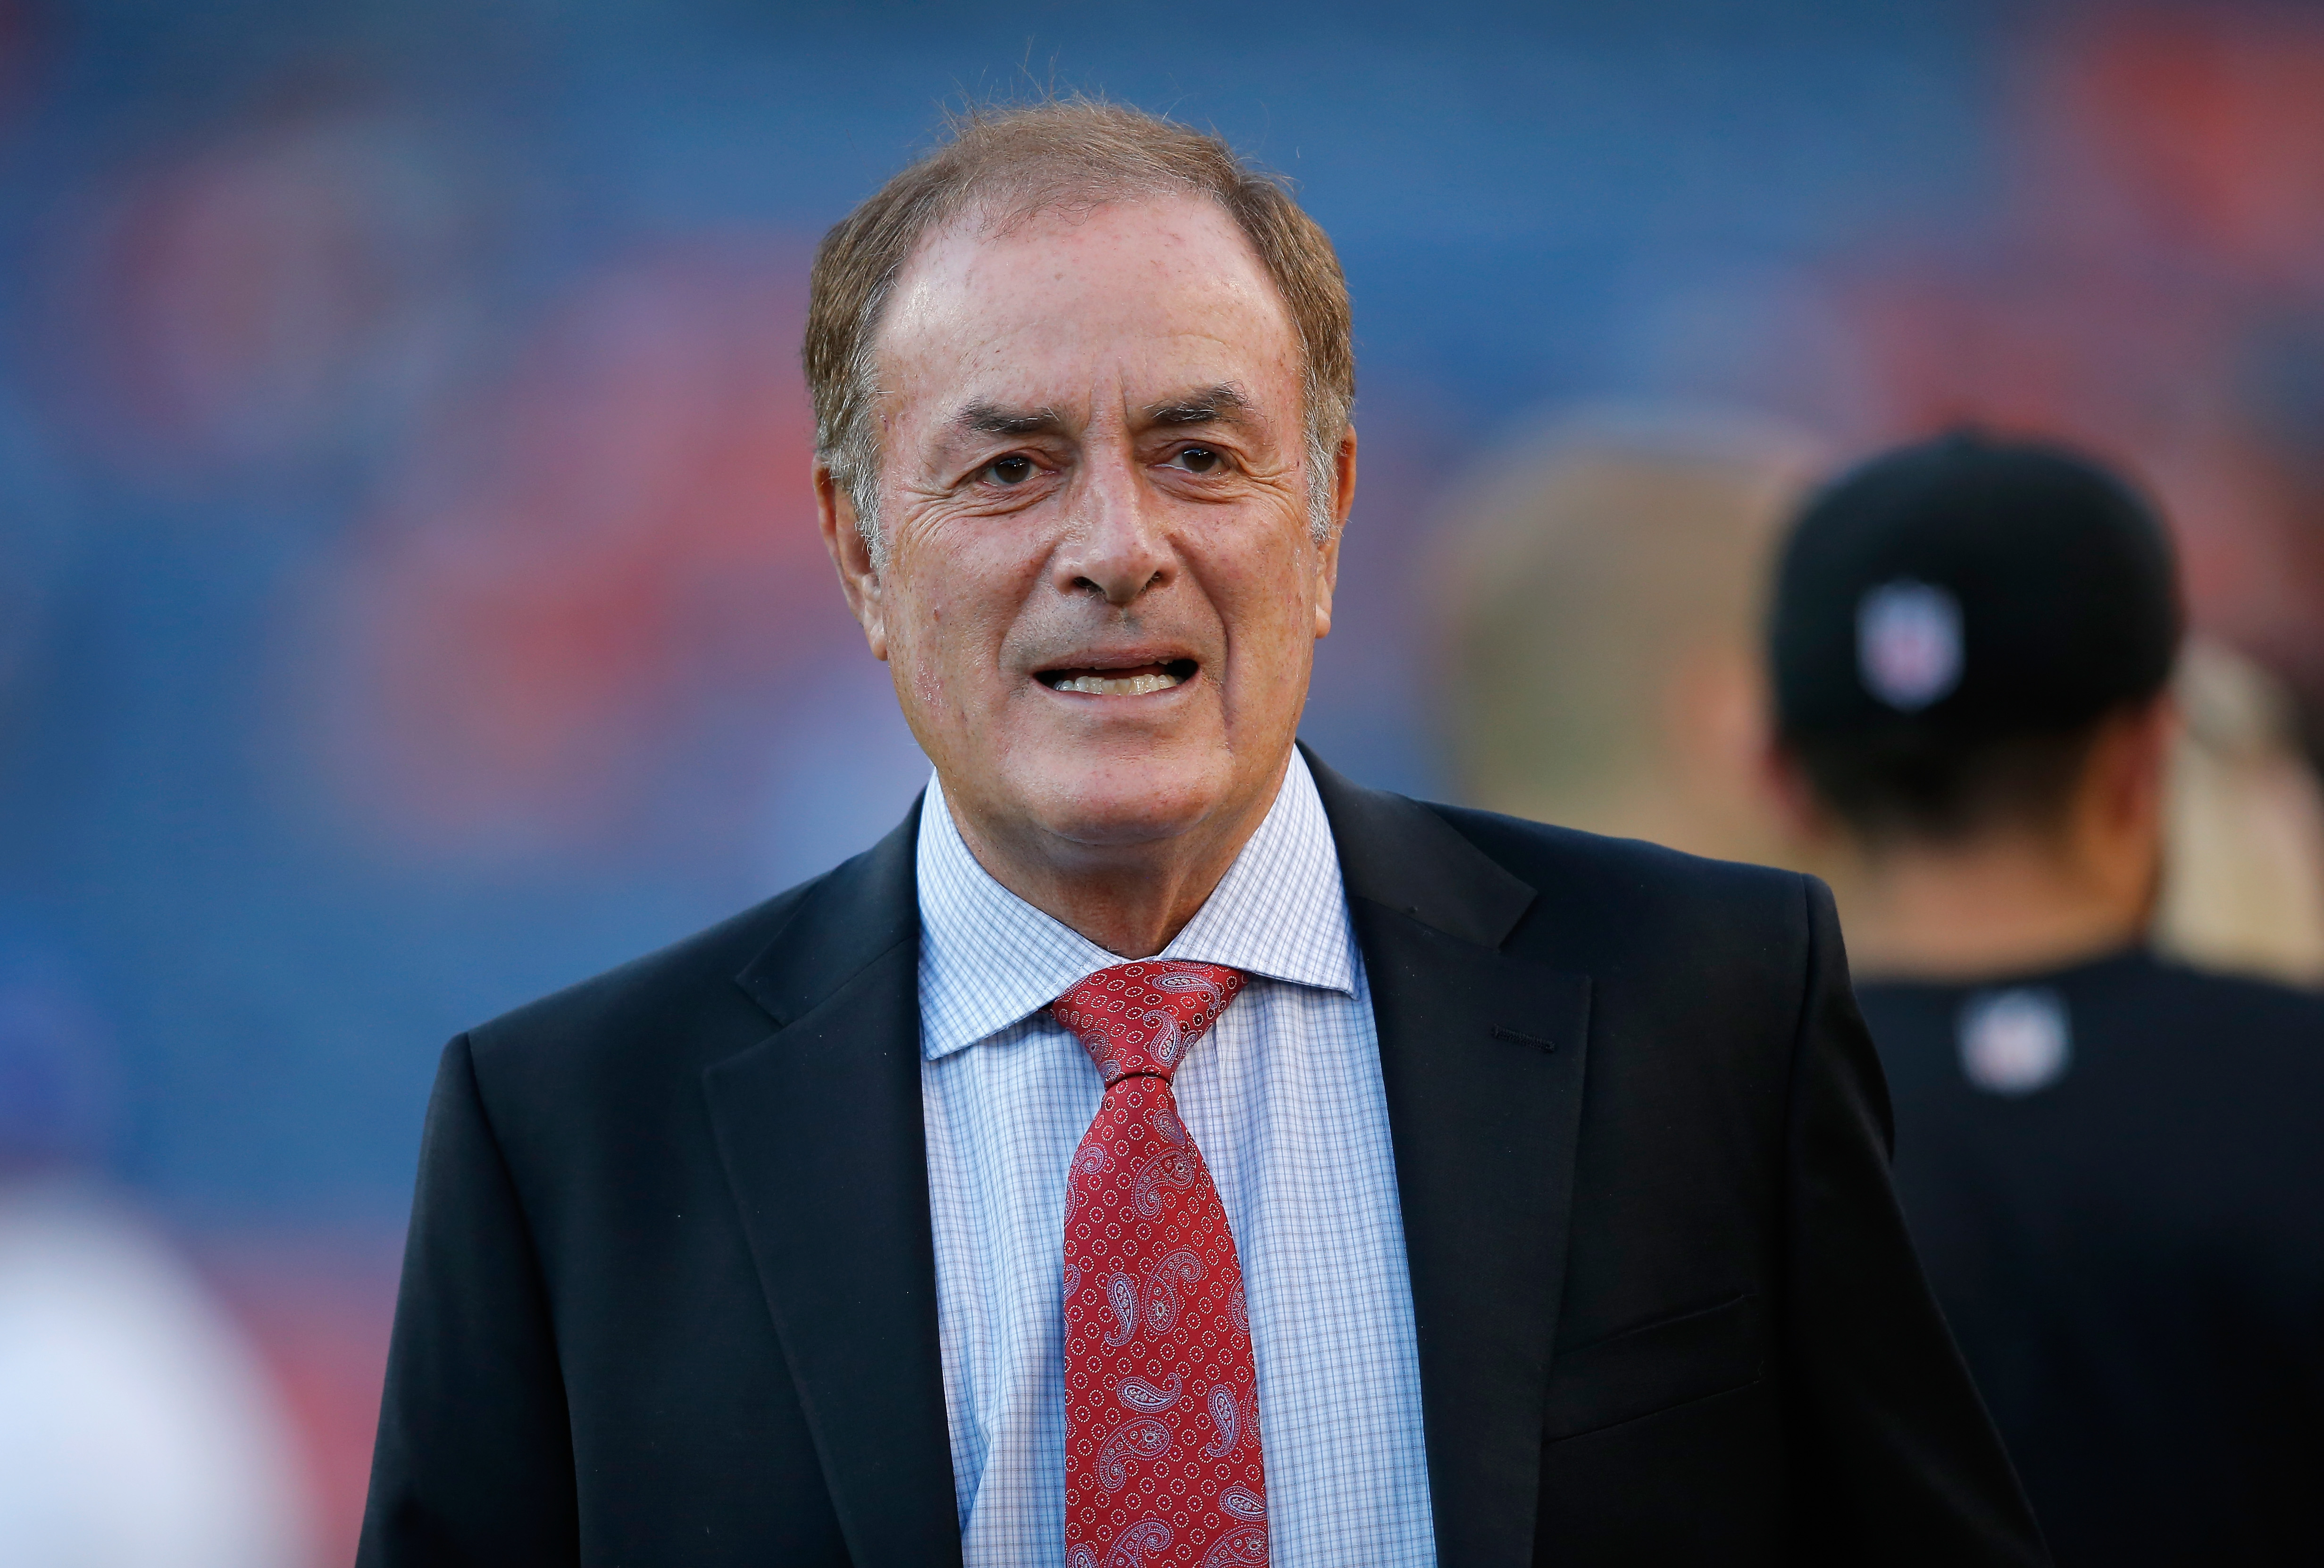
[(1908, 643)]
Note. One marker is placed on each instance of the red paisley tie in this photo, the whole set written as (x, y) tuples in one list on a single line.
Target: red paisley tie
[(1162, 1453)]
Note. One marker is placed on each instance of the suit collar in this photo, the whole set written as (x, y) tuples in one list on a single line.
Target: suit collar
[(844, 919), (1401, 855), (1482, 1054), (819, 1129)]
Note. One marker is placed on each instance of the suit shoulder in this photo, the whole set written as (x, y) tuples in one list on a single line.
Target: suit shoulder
[(1623, 906), (715, 992), (660, 994), (1626, 869)]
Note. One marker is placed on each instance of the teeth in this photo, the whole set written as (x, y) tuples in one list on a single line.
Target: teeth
[(1118, 685)]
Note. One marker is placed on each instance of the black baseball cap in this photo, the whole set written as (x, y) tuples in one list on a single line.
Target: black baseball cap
[(1970, 589)]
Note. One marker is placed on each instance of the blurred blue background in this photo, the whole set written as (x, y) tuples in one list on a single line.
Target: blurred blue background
[(409, 595)]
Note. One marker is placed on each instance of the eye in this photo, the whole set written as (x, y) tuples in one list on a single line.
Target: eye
[(1199, 459), (1014, 469)]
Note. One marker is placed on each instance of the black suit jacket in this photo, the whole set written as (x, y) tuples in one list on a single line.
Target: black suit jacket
[(669, 1295)]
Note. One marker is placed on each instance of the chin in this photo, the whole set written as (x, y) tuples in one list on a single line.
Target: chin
[(1129, 802)]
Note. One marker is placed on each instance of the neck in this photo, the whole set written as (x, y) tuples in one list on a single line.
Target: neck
[(2001, 904), (1130, 899)]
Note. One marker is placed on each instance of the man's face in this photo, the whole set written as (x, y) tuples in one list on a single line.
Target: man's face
[(1101, 596)]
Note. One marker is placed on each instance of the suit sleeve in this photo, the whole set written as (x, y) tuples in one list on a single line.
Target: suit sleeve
[(473, 1464), (1903, 1464)]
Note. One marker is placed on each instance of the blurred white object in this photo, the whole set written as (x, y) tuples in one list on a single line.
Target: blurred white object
[(137, 1430), (2242, 879), (2014, 1042)]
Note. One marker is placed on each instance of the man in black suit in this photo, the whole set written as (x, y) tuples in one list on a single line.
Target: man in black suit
[(2109, 1162), (1533, 1186)]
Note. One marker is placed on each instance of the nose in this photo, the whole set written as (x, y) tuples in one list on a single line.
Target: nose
[(1118, 548)]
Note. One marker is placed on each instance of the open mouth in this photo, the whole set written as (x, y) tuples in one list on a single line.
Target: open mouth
[(1133, 680)]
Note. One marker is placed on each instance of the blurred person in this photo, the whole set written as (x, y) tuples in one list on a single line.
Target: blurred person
[(1161, 1150), (2243, 828), (137, 1430), (1601, 614), (1600, 621), (2109, 1162)]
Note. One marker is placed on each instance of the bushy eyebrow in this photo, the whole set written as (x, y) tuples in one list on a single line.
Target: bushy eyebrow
[(993, 420), (1223, 404), (1214, 405)]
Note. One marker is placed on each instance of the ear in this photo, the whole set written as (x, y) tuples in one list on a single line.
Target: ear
[(851, 557), (2132, 760), (1343, 498)]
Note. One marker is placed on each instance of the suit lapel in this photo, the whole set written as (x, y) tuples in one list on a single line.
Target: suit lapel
[(1482, 1056), (819, 1129)]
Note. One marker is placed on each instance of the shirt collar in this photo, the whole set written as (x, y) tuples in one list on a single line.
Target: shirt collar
[(988, 958)]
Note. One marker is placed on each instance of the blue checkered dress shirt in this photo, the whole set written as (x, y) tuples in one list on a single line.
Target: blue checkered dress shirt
[(1285, 1100)]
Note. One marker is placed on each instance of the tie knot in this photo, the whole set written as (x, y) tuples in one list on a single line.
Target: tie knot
[(1144, 1016)]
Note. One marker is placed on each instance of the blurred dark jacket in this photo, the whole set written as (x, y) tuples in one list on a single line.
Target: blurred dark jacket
[(670, 1293), (2132, 1252)]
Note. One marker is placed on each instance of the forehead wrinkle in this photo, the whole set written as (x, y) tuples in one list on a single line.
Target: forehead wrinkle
[(963, 313), (954, 256)]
